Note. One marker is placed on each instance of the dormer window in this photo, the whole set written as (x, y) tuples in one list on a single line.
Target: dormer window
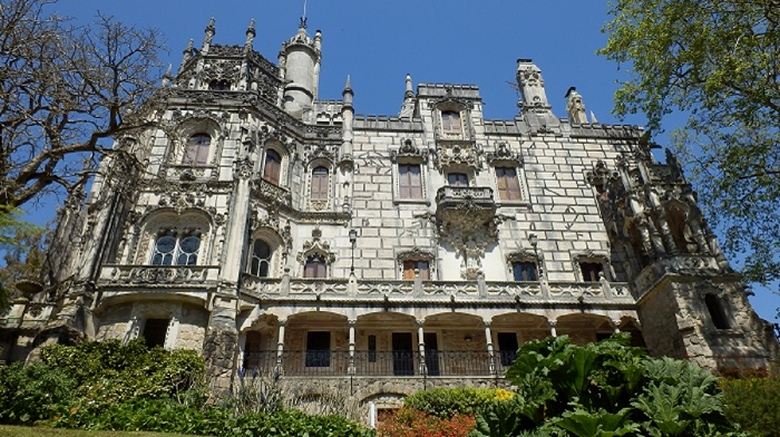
[(197, 150), (450, 122)]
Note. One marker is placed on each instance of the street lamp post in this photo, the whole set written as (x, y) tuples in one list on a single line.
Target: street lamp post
[(352, 240), (534, 240)]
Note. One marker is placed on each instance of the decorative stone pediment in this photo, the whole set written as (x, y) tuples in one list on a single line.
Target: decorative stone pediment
[(316, 247), (415, 254), (322, 152), (521, 255), (504, 153), (409, 151)]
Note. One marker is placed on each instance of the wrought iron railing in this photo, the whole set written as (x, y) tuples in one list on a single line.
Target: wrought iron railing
[(366, 363)]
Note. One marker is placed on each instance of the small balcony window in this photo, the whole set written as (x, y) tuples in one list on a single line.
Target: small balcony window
[(410, 266), (524, 271), (172, 249), (591, 271)]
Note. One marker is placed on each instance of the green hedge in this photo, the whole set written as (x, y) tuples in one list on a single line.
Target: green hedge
[(448, 402), (754, 403)]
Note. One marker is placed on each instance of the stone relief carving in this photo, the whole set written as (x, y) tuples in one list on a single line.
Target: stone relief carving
[(458, 154), (318, 247), (409, 150), (504, 153)]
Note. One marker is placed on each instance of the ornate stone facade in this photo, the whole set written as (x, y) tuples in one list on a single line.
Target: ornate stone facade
[(279, 232)]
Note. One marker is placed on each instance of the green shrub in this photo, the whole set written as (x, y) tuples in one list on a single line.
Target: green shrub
[(32, 393), (109, 372), (448, 402), (753, 403)]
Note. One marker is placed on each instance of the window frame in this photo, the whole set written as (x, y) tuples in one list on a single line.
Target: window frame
[(591, 275), (458, 179), (319, 187), (177, 251), (320, 357), (409, 266), (316, 263), (407, 189), (255, 258), (505, 194), (525, 263), (202, 150), (272, 173)]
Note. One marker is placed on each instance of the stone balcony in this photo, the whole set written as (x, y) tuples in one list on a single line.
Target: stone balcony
[(272, 194), (466, 209)]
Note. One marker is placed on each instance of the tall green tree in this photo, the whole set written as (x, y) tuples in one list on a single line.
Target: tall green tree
[(22, 246), (718, 61)]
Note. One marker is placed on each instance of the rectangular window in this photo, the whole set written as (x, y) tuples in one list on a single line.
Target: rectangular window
[(458, 179), (319, 183), (155, 331), (450, 122), (422, 266), (318, 349), (507, 347), (524, 271), (591, 271), (372, 348), (315, 267), (508, 184), (409, 181)]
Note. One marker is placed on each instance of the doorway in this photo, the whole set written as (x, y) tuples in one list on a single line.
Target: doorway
[(403, 362)]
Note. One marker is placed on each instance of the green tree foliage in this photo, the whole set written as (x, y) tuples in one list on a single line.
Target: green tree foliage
[(448, 402), (22, 245), (719, 62), (753, 403), (605, 389)]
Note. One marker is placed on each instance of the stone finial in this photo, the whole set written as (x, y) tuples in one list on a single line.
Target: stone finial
[(250, 33), (409, 91), (318, 40), (529, 79), (575, 107), (209, 36), (166, 79)]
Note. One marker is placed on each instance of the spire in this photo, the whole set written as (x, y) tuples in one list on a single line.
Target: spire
[(409, 91), (347, 93), (166, 79), (209, 35), (575, 107), (407, 109), (186, 54), (303, 17), (250, 35)]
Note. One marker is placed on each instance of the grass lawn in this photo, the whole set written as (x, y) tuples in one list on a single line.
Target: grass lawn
[(29, 431)]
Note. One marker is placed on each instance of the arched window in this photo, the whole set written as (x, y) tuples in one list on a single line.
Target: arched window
[(450, 121), (273, 167), (319, 183), (173, 249), (315, 267), (260, 264), (219, 85), (717, 313), (197, 150)]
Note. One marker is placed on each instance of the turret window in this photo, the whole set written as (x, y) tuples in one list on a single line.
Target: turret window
[(173, 249), (273, 167), (197, 150), (717, 312)]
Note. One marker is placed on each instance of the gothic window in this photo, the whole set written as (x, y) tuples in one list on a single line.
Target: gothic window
[(171, 248), (318, 349), (717, 312), (260, 264), (272, 171), (197, 150), (316, 267), (412, 267), (458, 179), (508, 184), (320, 182), (450, 122), (524, 271), (155, 331), (591, 270), (409, 181)]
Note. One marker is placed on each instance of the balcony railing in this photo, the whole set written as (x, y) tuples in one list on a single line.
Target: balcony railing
[(367, 363)]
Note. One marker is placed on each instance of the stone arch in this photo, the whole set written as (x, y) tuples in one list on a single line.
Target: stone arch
[(276, 246), (179, 223), (584, 328), (193, 125)]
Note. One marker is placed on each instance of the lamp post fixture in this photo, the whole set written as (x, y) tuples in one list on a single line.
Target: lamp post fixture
[(352, 240), (534, 240)]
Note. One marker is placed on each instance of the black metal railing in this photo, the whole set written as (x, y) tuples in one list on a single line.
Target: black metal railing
[(367, 363)]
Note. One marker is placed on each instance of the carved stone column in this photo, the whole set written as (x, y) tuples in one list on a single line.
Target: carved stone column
[(421, 346), (490, 350), (352, 323), (280, 345)]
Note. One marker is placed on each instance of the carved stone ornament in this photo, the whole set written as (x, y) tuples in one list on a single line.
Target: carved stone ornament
[(320, 151), (316, 247), (504, 153), (271, 194), (521, 255), (415, 254), (242, 168), (458, 154), (409, 150), (182, 199), (159, 275)]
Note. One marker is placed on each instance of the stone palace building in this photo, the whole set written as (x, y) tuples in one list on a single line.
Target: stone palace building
[(277, 232)]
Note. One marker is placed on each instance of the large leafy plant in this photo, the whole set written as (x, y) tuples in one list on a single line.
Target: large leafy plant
[(605, 389)]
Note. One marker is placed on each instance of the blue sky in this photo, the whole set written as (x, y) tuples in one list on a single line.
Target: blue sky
[(378, 42)]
